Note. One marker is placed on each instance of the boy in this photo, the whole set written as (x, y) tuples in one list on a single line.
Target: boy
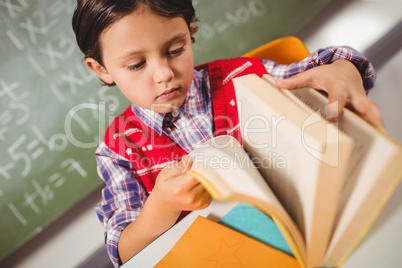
[(145, 48)]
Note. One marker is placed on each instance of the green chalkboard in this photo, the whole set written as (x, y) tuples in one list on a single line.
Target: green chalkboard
[(54, 111), (230, 28)]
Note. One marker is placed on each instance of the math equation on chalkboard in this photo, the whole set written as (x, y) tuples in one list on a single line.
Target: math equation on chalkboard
[(53, 115)]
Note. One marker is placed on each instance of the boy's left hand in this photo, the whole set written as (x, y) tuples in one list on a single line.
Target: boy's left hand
[(343, 83)]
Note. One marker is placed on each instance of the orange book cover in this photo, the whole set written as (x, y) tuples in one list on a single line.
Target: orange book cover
[(209, 244)]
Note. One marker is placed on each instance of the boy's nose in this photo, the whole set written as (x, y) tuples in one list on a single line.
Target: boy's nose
[(163, 72)]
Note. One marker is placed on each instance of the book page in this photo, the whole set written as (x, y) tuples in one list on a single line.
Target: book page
[(228, 173), (360, 195), (274, 145), (369, 178), (230, 170), (368, 143), (302, 157), (373, 171), (361, 138)]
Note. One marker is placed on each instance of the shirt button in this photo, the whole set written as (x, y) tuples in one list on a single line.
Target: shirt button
[(175, 113)]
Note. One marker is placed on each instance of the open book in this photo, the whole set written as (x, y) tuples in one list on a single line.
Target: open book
[(322, 183)]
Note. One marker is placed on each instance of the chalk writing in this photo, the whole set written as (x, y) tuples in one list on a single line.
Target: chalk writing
[(73, 79), (17, 214), (36, 66), (59, 53), (4, 170), (15, 40), (44, 79), (14, 8), (41, 26), (16, 156), (56, 142), (243, 13), (43, 193)]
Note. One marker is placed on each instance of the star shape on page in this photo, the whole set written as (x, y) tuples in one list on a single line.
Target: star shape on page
[(226, 254)]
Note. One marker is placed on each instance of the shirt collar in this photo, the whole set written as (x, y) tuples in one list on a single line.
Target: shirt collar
[(196, 102)]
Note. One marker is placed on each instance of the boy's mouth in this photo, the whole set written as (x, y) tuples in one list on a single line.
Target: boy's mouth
[(168, 94)]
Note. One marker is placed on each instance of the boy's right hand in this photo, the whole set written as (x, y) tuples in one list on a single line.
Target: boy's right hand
[(175, 190)]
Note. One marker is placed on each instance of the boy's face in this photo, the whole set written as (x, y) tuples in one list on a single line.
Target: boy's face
[(149, 58)]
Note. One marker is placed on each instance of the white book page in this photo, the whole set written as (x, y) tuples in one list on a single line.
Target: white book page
[(363, 183), (224, 165), (370, 154), (227, 166), (276, 146)]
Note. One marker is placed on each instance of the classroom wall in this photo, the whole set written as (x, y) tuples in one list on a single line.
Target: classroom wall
[(76, 236)]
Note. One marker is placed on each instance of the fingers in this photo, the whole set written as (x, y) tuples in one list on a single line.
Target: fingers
[(180, 167), (344, 86), (187, 163), (308, 78), (370, 111), (178, 172), (362, 105), (337, 101), (204, 198), (179, 189), (294, 82), (188, 181), (199, 197), (191, 192)]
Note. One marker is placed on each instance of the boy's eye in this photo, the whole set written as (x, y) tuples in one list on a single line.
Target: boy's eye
[(176, 51), (136, 66)]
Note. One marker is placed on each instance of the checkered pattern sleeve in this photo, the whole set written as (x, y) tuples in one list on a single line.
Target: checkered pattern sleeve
[(122, 198), (325, 56)]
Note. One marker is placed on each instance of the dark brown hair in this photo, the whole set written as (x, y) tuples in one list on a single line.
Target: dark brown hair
[(92, 17)]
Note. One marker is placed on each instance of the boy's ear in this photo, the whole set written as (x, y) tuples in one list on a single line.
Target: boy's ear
[(191, 29), (99, 70)]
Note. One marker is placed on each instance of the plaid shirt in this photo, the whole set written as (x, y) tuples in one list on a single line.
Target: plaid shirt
[(192, 126)]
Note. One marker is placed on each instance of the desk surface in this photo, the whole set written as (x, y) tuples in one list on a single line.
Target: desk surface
[(379, 248)]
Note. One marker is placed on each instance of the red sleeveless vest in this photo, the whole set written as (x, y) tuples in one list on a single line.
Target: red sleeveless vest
[(129, 137)]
